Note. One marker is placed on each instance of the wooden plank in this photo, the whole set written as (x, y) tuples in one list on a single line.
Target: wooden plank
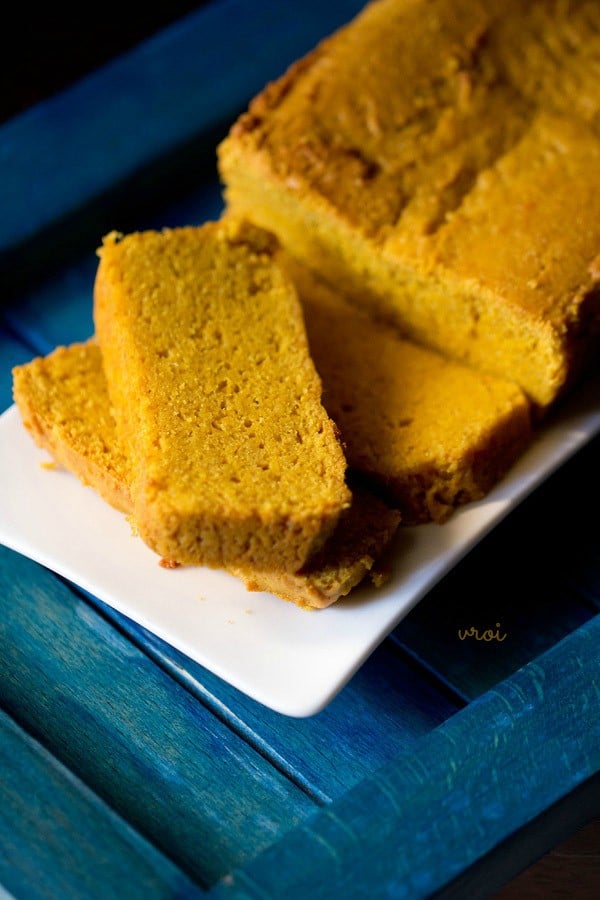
[(531, 582), (418, 822), (115, 126), (139, 740), (58, 839), (59, 309), (542, 837), (386, 707)]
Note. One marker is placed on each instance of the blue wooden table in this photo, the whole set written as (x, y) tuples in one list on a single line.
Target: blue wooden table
[(443, 767)]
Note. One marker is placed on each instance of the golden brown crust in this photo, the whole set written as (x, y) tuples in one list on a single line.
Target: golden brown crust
[(448, 179), (363, 535)]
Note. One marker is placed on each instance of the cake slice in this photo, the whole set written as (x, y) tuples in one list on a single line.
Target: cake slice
[(64, 404), (357, 548), (429, 433), (440, 162), (234, 461)]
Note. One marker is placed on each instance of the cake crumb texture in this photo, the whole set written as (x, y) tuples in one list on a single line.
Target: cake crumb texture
[(63, 402), (439, 160), (354, 551), (217, 403), (429, 433), (66, 395)]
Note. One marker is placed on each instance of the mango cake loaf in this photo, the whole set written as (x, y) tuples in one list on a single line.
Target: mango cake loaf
[(432, 434), (217, 402), (64, 403), (439, 160)]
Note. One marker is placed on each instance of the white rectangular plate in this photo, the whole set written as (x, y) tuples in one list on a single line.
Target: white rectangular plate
[(292, 660)]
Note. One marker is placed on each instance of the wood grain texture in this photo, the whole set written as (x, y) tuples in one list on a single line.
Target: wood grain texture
[(386, 707), (421, 820), (571, 869), (184, 81), (57, 839), (140, 741), (531, 842)]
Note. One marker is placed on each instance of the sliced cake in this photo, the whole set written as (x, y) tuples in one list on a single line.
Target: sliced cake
[(432, 434), (233, 459), (64, 403)]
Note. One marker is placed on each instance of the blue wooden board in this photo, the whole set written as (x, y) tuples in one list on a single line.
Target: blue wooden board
[(384, 709), (131, 733), (437, 750), (425, 817), (58, 839)]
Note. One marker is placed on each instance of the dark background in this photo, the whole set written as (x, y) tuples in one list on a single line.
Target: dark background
[(43, 52)]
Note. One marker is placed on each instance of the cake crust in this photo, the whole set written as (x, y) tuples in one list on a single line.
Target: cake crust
[(448, 180)]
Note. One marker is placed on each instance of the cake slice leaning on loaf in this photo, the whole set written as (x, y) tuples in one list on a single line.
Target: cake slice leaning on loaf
[(234, 461), (64, 404)]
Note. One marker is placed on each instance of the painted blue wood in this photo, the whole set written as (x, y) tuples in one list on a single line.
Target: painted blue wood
[(139, 740), (57, 839), (59, 310), (193, 77), (383, 710), (409, 829), (13, 352), (531, 582)]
